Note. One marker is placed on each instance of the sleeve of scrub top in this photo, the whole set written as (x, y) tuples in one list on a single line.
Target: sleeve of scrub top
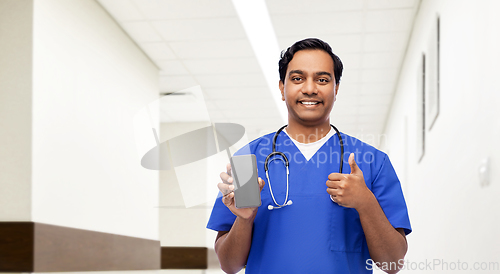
[(387, 189), (222, 218)]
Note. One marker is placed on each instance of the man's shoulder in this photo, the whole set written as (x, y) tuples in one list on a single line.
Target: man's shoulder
[(251, 147), (355, 143), (262, 139), (364, 152)]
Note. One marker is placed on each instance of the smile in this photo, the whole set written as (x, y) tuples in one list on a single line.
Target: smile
[(309, 103)]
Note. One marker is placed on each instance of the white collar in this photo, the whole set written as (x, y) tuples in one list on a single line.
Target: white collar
[(309, 149), (322, 140)]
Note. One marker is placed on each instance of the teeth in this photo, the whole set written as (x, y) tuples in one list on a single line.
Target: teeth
[(309, 103)]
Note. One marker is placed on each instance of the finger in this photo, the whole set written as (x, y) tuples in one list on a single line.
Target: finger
[(354, 167), (228, 169), (225, 188), (336, 176), (226, 178), (332, 191), (333, 184), (337, 201), (262, 183), (228, 199)]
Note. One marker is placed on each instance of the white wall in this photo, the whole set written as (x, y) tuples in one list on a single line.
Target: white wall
[(452, 215), (180, 226), (89, 80), (16, 46)]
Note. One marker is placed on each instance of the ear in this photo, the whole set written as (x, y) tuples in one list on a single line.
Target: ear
[(336, 91), (282, 88)]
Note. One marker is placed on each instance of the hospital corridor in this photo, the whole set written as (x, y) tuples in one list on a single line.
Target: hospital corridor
[(118, 119)]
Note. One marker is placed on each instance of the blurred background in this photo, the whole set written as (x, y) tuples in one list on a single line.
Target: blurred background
[(83, 82)]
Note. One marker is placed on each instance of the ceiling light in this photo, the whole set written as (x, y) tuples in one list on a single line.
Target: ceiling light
[(255, 18)]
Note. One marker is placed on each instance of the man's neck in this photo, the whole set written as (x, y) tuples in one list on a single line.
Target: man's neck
[(307, 134)]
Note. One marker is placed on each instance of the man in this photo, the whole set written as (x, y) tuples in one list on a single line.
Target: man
[(359, 218)]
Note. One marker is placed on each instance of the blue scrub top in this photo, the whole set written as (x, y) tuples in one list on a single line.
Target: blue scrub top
[(314, 234)]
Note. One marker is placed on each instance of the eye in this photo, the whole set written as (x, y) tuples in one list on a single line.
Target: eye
[(323, 80), (296, 78)]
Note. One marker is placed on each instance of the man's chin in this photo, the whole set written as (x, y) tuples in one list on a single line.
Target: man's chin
[(311, 120)]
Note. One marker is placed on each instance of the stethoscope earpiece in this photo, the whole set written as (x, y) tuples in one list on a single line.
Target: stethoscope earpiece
[(282, 157)]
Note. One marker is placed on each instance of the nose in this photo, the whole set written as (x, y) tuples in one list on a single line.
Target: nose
[(309, 87)]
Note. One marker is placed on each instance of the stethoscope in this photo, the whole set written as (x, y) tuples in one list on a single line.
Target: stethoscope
[(285, 161)]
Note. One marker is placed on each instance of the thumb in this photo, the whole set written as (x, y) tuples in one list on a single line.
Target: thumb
[(261, 183), (354, 167)]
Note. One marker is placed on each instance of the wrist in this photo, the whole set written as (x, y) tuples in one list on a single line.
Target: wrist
[(249, 219), (368, 202)]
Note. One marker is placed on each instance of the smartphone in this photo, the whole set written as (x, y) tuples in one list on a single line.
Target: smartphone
[(246, 183)]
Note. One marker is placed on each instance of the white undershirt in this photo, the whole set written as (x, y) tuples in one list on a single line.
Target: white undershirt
[(308, 150)]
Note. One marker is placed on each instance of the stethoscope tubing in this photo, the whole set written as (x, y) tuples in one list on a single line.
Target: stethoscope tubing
[(285, 161)]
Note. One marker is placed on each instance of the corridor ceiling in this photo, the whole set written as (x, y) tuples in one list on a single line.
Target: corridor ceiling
[(204, 43)]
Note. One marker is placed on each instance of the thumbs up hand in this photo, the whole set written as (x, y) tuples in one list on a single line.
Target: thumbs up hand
[(349, 190)]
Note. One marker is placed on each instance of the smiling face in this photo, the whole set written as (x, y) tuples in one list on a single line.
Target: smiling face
[(309, 88)]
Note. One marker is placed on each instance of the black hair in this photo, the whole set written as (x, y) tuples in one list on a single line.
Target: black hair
[(309, 44)]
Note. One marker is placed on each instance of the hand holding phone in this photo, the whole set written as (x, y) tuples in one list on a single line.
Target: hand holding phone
[(227, 187)]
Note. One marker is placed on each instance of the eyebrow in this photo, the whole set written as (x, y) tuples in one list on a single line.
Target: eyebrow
[(323, 73), (298, 71)]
